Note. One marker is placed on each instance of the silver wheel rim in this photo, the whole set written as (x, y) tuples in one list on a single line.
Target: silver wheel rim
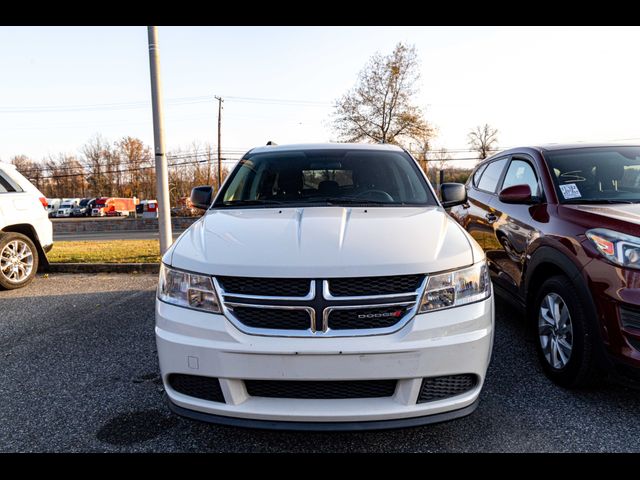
[(16, 261), (555, 331)]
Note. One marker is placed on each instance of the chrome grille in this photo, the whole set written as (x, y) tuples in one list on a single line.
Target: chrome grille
[(314, 310)]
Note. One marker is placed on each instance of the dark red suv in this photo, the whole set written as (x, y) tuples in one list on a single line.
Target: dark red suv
[(560, 226)]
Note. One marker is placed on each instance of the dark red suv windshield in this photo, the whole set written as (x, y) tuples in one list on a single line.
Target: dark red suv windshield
[(596, 174)]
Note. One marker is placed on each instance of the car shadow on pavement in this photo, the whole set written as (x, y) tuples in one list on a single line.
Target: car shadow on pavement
[(520, 411), (81, 374)]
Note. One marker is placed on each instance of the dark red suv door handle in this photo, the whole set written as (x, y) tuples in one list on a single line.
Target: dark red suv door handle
[(491, 217)]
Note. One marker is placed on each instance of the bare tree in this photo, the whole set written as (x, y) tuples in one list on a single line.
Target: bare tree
[(123, 168), (440, 158), (23, 164), (112, 173), (209, 154), (199, 167), (483, 139), (137, 162), (420, 151), (94, 153), (58, 176), (381, 107), (73, 175), (30, 169)]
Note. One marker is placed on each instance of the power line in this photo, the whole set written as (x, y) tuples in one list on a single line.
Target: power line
[(83, 173), (279, 101), (147, 104), (197, 158), (204, 152), (203, 156), (99, 106)]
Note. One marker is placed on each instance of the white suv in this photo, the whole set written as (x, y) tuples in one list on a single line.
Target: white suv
[(25, 229), (325, 288)]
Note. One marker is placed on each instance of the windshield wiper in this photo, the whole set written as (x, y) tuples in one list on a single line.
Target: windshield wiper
[(237, 203), (354, 201), (604, 201)]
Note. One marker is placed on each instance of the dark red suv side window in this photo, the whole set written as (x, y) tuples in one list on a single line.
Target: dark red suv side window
[(491, 175), (521, 172), (477, 174)]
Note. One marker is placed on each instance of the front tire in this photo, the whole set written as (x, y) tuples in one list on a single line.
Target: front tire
[(565, 334), (18, 260)]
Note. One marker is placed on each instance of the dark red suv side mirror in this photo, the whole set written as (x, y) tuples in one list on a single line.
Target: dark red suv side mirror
[(517, 194)]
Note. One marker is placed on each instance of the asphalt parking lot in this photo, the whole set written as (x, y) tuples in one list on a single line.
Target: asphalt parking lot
[(80, 373)]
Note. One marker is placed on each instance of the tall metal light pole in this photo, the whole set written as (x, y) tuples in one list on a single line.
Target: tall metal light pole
[(162, 178), (220, 100)]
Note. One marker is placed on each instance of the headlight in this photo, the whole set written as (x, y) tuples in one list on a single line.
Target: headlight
[(188, 290), (456, 288), (616, 247)]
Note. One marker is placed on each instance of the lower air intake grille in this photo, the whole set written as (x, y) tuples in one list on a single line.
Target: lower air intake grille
[(321, 389), (630, 318), (274, 318), (206, 388), (635, 343), (437, 388)]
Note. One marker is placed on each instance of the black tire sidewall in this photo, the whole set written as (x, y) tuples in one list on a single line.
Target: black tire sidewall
[(575, 372), (5, 238)]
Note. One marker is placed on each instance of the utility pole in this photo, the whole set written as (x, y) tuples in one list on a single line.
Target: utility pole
[(162, 178), (220, 100)]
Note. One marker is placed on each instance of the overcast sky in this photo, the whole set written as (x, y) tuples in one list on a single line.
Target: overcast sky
[(61, 85)]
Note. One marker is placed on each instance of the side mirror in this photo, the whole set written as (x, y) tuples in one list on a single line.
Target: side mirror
[(201, 196), (453, 194), (517, 194)]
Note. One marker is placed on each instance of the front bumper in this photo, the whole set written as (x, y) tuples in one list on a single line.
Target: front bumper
[(616, 293), (448, 342), (323, 426)]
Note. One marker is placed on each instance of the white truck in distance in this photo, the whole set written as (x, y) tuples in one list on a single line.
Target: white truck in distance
[(325, 288), (25, 229), (52, 206), (66, 207)]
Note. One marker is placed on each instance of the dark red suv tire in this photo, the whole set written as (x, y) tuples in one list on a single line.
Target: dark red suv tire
[(562, 321)]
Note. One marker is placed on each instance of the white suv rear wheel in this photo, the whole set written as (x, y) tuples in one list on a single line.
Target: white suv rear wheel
[(18, 260)]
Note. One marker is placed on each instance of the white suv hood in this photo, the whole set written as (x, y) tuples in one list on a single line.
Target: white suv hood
[(323, 242)]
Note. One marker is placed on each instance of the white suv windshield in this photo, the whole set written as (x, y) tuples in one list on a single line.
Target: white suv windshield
[(321, 177)]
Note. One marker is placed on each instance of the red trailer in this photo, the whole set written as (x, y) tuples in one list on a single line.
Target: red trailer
[(110, 206)]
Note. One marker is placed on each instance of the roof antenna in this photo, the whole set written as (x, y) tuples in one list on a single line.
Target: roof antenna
[(271, 142)]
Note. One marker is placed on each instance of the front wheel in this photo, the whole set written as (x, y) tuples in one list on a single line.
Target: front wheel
[(565, 334), (18, 260)]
